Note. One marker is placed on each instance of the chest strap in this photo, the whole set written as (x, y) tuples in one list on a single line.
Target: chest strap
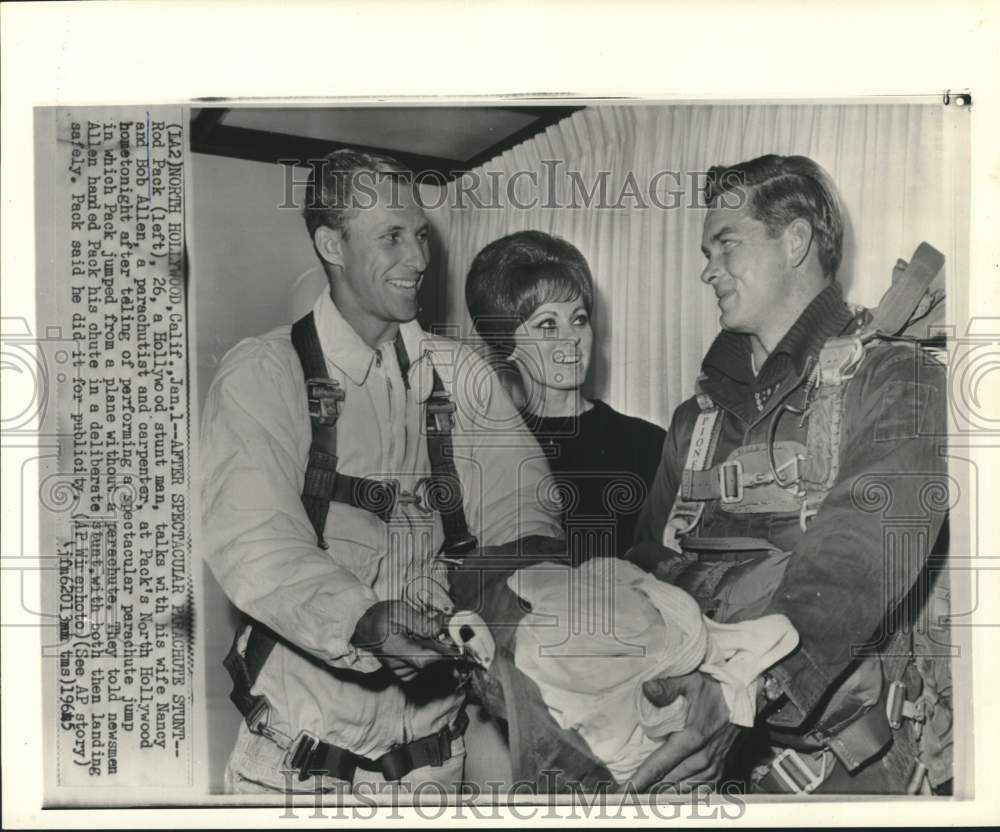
[(686, 513), (745, 483), (441, 492)]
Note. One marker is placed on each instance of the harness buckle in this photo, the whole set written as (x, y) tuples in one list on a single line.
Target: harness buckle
[(418, 497), (898, 707), (442, 409), (325, 397), (799, 778), (683, 518), (258, 719), (298, 753), (258, 716), (806, 513), (839, 359), (917, 779), (731, 481), (795, 479)]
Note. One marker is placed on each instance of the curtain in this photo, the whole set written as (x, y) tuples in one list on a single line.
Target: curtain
[(619, 182)]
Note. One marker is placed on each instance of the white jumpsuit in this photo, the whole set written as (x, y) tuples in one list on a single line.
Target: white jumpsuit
[(263, 550)]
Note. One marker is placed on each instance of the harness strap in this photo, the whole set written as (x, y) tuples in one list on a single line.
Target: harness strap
[(860, 740), (323, 484), (745, 483), (685, 514), (313, 757), (243, 673), (374, 496), (907, 289), (325, 398), (446, 486), (402, 358), (244, 668), (795, 768)]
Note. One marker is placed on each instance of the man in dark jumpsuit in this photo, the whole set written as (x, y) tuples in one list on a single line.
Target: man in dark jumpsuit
[(849, 572)]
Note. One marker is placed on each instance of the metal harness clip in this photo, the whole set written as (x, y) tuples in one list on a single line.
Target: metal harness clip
[(258, 722), (683, 519), (795, 479), (731, 481), (442, 409), (800, 771), (418, 497), (898, 707), (298, 753), (470, 632), (258, 717), (325, 398), (806, 513)]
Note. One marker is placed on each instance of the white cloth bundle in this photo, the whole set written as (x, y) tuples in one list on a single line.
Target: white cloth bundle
[(598, 631)]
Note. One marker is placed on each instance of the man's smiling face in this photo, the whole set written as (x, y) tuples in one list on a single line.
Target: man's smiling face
[(747, 268), (384, 253)]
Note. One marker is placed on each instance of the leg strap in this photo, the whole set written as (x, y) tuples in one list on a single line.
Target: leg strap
[(312, 757)]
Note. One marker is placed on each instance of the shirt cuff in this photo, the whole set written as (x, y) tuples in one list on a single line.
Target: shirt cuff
[(352, 605)]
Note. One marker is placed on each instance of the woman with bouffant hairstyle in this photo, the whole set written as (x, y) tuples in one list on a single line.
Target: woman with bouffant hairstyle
[(531, 297)]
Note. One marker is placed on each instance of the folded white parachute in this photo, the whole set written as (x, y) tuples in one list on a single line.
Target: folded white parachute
[(598, 631)]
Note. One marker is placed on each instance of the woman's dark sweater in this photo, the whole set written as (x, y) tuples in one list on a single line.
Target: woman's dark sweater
[(603, 463)]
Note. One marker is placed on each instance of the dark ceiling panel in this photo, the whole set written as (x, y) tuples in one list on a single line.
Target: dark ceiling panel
[(462, 137), (545, 119), (258, 146), (443, 132)]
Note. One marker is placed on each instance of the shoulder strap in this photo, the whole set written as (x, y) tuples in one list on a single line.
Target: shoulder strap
[(323, 484), (909, 286), (446, 485), (444, 494), (325, 397), (402, 358), (839, 360), (686, 514)]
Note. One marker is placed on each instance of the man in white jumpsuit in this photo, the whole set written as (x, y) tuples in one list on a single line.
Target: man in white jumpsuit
[(348, 670)]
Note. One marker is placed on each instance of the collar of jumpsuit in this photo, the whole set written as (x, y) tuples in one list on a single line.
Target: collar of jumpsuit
[(728, 372), (343, 348)]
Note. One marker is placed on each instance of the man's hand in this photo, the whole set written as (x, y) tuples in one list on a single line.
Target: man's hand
[(695, 755), (659, 561), (397, 633)]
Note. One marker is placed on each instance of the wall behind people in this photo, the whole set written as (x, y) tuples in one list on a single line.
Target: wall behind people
[(252, 268), (619, 183)]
